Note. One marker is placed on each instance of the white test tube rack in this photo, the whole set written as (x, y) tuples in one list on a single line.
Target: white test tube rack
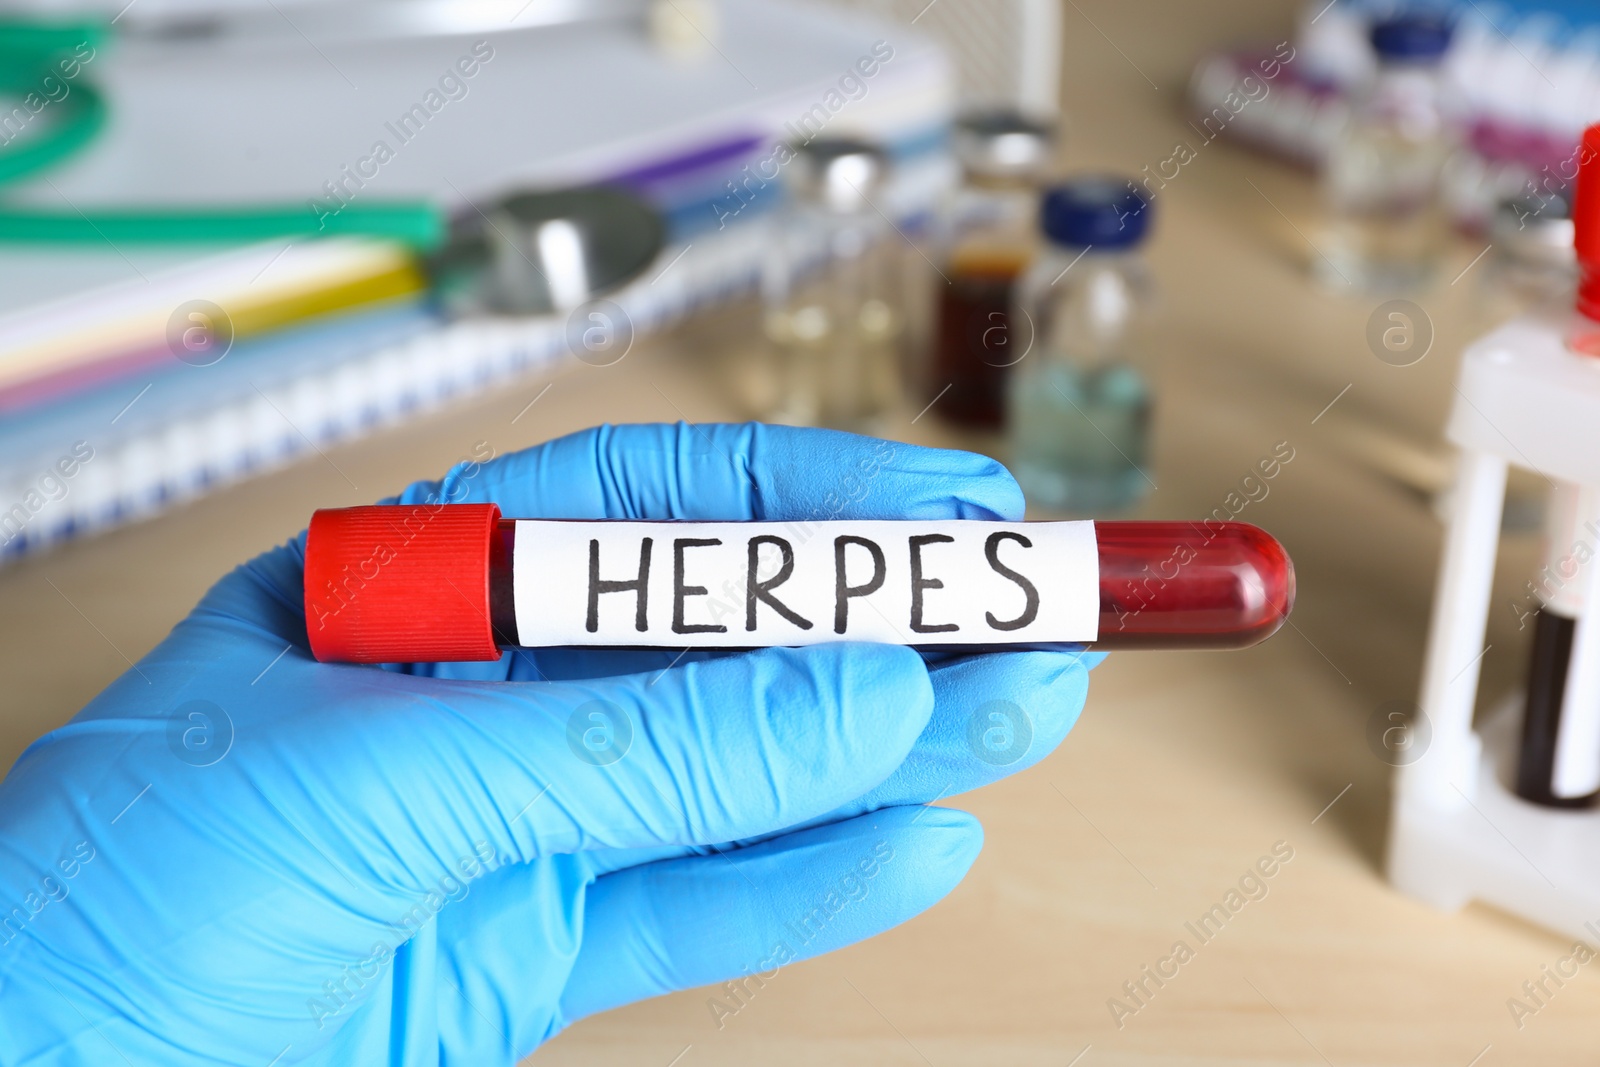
[(1458, 832)]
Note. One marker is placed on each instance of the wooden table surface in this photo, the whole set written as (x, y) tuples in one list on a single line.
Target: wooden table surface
[(1185, 768)]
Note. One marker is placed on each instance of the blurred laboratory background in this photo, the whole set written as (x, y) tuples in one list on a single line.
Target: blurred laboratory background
[(1323, 267)]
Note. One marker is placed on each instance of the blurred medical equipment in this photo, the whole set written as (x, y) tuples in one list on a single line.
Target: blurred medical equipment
[(538, 253), (986, 235), (1529, 263), (347, 107), (43, 66), (37, 61), (1527, 394), (1007, 53), (1533, 261), (1521, 81), (830, 289), (1386, 227), (418, 225)]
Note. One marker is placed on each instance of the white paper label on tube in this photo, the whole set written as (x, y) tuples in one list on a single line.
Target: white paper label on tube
[(743, 584)]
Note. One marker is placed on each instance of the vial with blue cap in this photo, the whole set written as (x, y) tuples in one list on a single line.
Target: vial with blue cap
[(1080, 398), (1381, 183)]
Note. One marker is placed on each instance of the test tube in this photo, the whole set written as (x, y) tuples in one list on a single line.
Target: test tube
[(1552, 736), (442, 582)]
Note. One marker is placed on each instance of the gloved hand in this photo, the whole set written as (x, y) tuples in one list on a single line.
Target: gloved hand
[(238, 855)]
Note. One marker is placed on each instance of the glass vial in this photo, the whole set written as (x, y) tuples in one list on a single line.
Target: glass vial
[(1533, 263), (987, 235), (1387, 224), (1080, 399), (829, 290)]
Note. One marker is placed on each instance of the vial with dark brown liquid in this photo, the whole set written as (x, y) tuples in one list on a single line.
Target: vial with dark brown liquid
[(987, 238), (974, 347)]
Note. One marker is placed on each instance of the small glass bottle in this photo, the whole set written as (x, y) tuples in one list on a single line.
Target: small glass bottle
[(1533, 262), (1387, 224), (987, 236), (1080, 400), (829, 290)]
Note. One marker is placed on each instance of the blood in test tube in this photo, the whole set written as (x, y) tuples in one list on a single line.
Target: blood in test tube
[(439, 582), (1557, 588)]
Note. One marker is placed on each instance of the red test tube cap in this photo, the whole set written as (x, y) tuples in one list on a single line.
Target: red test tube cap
[(1586, 223), (400, 584)]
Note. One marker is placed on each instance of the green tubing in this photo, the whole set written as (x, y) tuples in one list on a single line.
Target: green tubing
[(41, 67), (49, 110), (70, 125), (49, 39), (418, 224)]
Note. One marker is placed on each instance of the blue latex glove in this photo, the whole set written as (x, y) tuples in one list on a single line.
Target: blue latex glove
[(236, 854)]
